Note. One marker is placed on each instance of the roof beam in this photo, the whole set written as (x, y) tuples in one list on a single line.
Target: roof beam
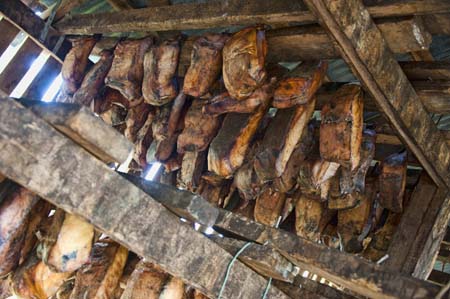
[(44, 161), (23, 17), (229, 13), (364, 49), (347, 270)]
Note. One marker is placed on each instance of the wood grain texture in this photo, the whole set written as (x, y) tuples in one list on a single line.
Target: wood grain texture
[(115, 206), (82, 126), (19, 65), (9, 32), (364, 48), (43, 80), (227, 13), (347, 270), (21, 15)]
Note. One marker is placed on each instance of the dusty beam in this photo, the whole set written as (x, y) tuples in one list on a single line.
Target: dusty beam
[(228, 13), (347, 270), (28, 21), (38, 157), (364, 48), (82, 126)]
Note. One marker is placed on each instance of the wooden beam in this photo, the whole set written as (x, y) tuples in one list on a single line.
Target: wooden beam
[(81, 125), (423, 254), (25, 19), (406, 232), (227, 13), (181, 202), (435, 96), (120, 5), (19, 65), (43, 80), (310, 289), (42, 160), (9, 32), (426, 70), (365, 50), (65, 7), (438, 23), (439, 277), (263, 259), (347, 270)]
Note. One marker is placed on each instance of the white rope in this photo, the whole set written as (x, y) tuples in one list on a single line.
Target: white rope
[(230, 265)]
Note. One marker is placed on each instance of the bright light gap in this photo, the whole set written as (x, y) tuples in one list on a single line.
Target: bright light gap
[(12, 50), (53, 89), (32, 72)]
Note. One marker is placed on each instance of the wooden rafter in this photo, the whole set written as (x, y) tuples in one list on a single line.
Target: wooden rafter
[(25, 19), (60, 171), (106, 203), (365, 50), (229, 13)]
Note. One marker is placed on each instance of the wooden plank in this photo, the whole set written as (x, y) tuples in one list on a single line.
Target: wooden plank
[(182, 203), (438, 23), (9, 32), (310, 289), (365, 50), (426, 70), (119, 5), (19, 65), (22, 16), (65, 7), (422, 255), (263, 259), (43, 80), (435, 96), (226, 13), (441, 278), (82, 126), (55, 168), (350, 271), (411, 220)]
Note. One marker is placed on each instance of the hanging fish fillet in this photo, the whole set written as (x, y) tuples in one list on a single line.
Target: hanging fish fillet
[(73, 246), (206, 64), (287, 182), (127, 70), (15, 215), (281, 137), (94, 80), (75, 63), (99, 278), (146, 282), (352, 222), (341, 127), (311, 218), (35, 280), (191, 170), (300, 86), (393, 181), (227, 150), (244, 57), (136, 118), (160, 86), (199, 129), (144, 138), (224, 103), (269, 205)]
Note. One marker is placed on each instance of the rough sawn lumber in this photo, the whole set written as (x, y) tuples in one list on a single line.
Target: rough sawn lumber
[(38, 157)]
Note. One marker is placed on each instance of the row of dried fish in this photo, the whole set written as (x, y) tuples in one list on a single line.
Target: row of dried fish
[(47, 253), (227, 128)]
